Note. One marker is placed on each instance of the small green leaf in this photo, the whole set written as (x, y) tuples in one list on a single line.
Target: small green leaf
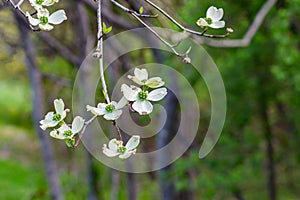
[(105, 29), (70, 142), (141, 10), (104, 94)]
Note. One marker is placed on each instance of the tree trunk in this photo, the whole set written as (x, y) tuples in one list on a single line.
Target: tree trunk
[(166, 182), (92, 178), (35, 78), (267, 130), (131, 186), (164, 137)]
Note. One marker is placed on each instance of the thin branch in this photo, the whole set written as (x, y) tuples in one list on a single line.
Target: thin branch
[(118, 130), (18, 8), (158, 36), (202, 33), (110, 16), (99, 51), (83, 130), (63, 50), (132, 11), (57, 80)]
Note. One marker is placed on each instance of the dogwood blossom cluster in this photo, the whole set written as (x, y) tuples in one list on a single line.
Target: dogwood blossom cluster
[(150, 90), (139, 98), (212, 19), (45, 20), (116, 148), (54, 120)]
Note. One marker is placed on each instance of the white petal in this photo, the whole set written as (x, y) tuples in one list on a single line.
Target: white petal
[(219, 24), (64, 128), (157, 95), (113, 144), (202, 22), (101, 106), (134, 79), (218, 15), (113, 103), (48, 124), (113, 115), (108, 152), (123, 101), (141, 74), (100, 110), (56, 135), (210, 12), (154, 82), (142, 107), (48, 117), (45, 27), (49, 2), (77, 124), (57, 17), (32, 21), (127, 154), (63, 116), (59, 106), (130, 93), (133, 142)]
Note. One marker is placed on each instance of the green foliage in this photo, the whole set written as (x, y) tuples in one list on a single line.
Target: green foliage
[(105, 29), (141, 10), (21, 182)]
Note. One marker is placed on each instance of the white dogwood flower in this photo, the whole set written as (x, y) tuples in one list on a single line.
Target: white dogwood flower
[(141, 77), (111, 111), (141, 98), (115, 147), (53, 119), (213, 17), (65, 132), (40, 3), (44, 20)]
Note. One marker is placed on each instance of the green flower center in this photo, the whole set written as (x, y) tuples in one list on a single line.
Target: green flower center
[(110, 108), (121, 149), (44, 20), (208, 20), (142, 95), (68, 133), (56, 117), (39, 2)]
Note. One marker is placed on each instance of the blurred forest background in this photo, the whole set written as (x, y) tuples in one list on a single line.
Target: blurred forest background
[(256, 157)]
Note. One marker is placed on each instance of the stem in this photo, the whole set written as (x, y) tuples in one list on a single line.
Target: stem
[(83, 130), (158, 36), (99, 54), (17, 7), (99, 51), (118, 130)]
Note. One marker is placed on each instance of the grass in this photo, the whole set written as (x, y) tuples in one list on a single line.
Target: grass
[(21, 182)]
